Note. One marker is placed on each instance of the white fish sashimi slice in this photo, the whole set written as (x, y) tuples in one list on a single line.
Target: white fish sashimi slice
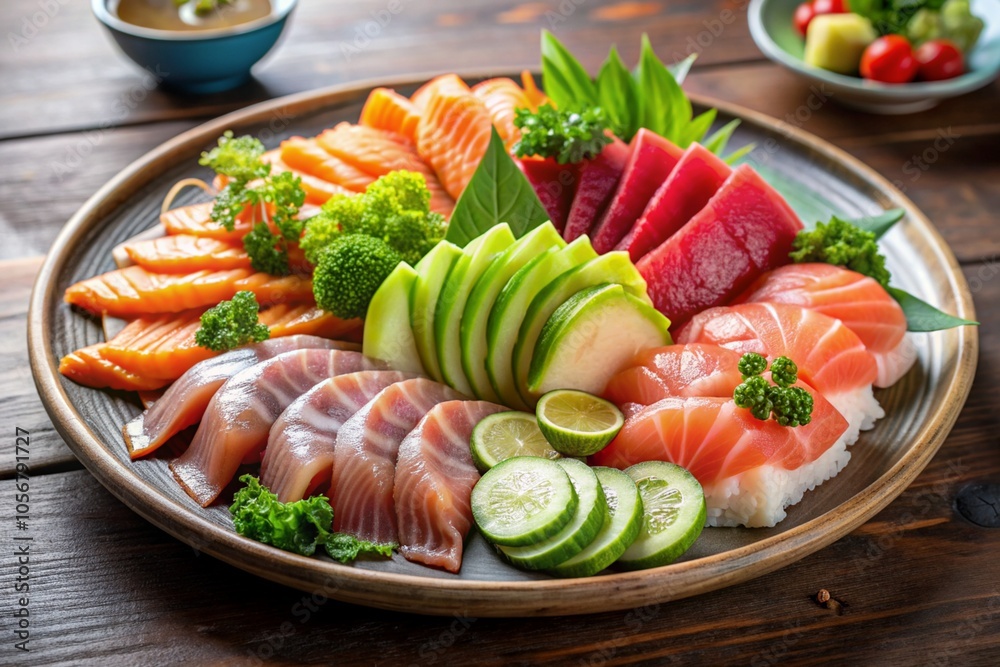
[(433, 485), (240, 415), (184, 402), (364, 468), (300, 446)]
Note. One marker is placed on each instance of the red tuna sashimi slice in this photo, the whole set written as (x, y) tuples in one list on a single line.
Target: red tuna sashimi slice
[(301, 443), (743, 463), (650, 161), (676, 370), (831, 358), (691, 184), (364, 462), (856, 300), (433, 486), (184, 403), (598, 179), (743, 231), (555, 185), (239, 417)]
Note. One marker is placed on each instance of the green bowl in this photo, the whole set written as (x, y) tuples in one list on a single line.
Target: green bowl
[(772, 30)]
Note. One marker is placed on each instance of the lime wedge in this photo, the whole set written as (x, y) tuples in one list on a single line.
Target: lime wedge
[(504, 435), (577, 423)]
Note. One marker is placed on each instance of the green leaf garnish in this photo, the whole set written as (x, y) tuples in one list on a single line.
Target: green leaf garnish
[(618, 95), (498, 192), (922, 316), (566, 81), (881, 223), (231, 324), (346, 548), (565, 135)]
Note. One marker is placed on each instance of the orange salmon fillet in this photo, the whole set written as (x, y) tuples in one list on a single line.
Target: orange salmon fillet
[(184, 253), (452, 136), (379, 152), (306, 156), (385, 109), (317, 190), (163, 346), (535, 96), (501, 97), (196, 220), (445, 82), (88, 366), (135, 291)]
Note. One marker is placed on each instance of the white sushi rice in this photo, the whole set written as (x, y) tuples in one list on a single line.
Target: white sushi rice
[(758, 497)]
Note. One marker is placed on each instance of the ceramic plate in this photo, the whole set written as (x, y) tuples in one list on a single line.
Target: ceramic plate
[(818, 178)]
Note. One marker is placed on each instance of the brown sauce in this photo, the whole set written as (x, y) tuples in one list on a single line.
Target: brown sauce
[(166, 15)]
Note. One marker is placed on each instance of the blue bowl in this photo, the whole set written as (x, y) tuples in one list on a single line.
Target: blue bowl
[(197, 61), (772, 30)]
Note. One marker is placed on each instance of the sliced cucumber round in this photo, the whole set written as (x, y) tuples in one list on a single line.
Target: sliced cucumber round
[(523, 500), (674, 514), (619, 531), (589, 518), (504, 435)]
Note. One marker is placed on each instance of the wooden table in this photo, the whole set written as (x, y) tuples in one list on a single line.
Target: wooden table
[(918, 584)]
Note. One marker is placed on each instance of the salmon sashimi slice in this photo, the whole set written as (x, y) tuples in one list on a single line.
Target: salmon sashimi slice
[(452, 137), (184, 403), (385, 109), (300, 447), (676, 370), (830, 357), (318, 191), (196, 220), (88, 366), (308, 319), (501, 97), (535, 96), (307, 156), (433, 484), (860, 302), (184, 253), (236, 423), (750, 469), (379, 152), (135, 291), (364, 461), (159, 345)]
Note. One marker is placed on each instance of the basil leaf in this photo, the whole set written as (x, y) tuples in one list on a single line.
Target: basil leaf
[(922, 316), (698, 127), (718, 140), (664, 108), (619, 97), (565, 80), (881, 223), (734, 157), (498, 192)]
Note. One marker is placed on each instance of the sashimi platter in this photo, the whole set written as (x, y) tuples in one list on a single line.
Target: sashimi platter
[(503, 344)]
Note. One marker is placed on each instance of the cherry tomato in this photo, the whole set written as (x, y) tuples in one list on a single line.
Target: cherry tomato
[(889, 59), (830, 7), (804, 13), (939, 59)]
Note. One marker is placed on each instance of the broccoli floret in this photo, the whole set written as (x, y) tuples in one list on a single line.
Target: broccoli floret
[(231, 324), (841, 243), (349, 272), (394, 209), (566, 135)]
